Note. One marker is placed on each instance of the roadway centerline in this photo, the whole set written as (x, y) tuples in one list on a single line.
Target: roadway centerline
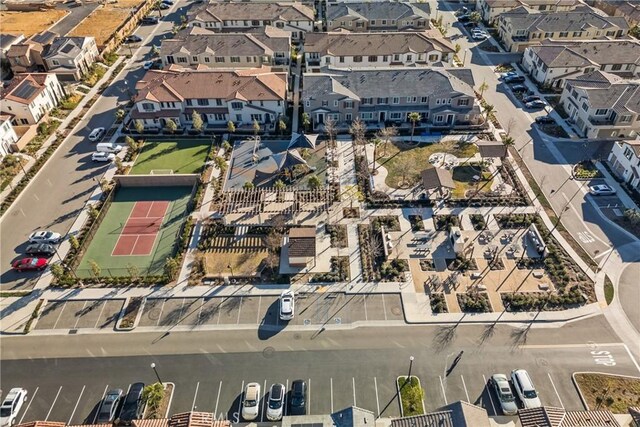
[(53, 404)]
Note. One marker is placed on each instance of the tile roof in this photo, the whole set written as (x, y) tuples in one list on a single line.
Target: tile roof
[(256, 84), (372, 83), (548, 416), (43, 424), (604, 90), (196, 419), (554, 53), (222, 11), (158, 422), (579, 19), (391, 10), (348, 44), (302, 242), (515, 3), (24, 88), (434, 178)]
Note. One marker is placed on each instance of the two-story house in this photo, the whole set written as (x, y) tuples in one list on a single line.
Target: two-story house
[(603, 105), (8, 40), (624, 160), (443, 97), (294, 17), (8, 135), (219, 96), (198, 47), (70, 57), (29, 97), (491, 9), (26, 56), (355, 50), (378, 16), (552, 62), (630, 9), (523, 27)]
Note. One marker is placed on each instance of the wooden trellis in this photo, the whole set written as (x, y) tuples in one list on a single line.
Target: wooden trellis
[(272, 201)]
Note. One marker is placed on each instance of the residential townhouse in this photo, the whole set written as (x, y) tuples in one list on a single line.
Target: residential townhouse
[(629, 9), (603, 105), (378, 16), (8, 40), (523, 27), (624, 160), (294, 17), (241, 96), (70, 57), (26, 56), (356, 50), (444, 98), (491, 9), (552, 62), (8, 135), (197, 47), (30, 97)]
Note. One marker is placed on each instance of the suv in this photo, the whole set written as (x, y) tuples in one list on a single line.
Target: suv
[(96, 134), (544, 120), (109, 407), (525, 389), (514, 79), (276, 402), (298, 398), (40, 249), (11, 406), (44, 236), (149, 20), (133, 406), (287, 304), (250, 404)]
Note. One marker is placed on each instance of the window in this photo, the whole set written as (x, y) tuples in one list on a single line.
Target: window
[(238, 117), (207, 59), (384, 22), (574, 94), (625, 119), (203, 102), (367, 101), (256, 117), (357, 59), (385, 58), (628, 153), (24, 121), (335, 103), (325, 103), (373, 22), (409, 57), (602, 111), (395, 116), (348, 117), (366, 116), (396, 57), (563, 34), (146, 106), (463, 102), (611, 33), (55, 62), (182, 59), (439, 118), (308, 104), (236, 105), (412, 99), (218, 102), (373, 58), (548, 35), (358, 24), (249, 59), (396, 100), (219, 116), (341, 59), (256, 23), (348, 104), (219, 59), (188, 102), (235, 59), (577, 33), (383, 100), (616, 67), (424, 100), (280, 24), (585, 107), (195, 59), (433, 58)]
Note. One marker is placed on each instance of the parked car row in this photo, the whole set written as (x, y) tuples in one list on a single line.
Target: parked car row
[(40, 248), (524, 389), (11, 406), (275, 403), (105, 151), (132, 405)]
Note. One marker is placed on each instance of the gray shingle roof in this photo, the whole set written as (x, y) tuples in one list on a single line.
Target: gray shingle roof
[(575, 20), (436, 178), (222, 11), (372, 83), (390, 10), (605, 90), (69, 47), (555, 53)]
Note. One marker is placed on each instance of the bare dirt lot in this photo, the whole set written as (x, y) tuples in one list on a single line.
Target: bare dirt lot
[(127, 4), (29, 23), (101, 23)]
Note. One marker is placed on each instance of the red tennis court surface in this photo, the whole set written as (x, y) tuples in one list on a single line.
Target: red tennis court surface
[(139, 233)]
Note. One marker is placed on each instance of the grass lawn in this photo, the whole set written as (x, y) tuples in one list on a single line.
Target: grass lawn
[(610, 392), (30, 23), (244, 256), (401, 160), (608, 290), (411, 396), (182, 156), (104, 241), (316, 159), (463, 179)]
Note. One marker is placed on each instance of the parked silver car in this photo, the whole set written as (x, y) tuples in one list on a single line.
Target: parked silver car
[(500, 385)]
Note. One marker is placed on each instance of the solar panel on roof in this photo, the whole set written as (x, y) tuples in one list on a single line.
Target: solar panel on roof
[(24, 90), (67, 48)]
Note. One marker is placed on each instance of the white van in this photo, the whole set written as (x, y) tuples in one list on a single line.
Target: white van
[(108, 147), (525, 389)]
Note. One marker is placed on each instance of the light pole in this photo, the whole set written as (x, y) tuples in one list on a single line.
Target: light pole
[(410, 366), (153, 366), (464, 58)]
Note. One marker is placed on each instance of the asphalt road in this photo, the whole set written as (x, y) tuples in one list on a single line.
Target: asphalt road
[(342, 367), (75, 16), (55, 197)]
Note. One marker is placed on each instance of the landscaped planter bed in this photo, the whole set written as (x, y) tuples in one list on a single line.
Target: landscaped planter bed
[(438, 303), (478, 222), (445, 222), (339, 271), (338, 233), (411, 396), (416, 223), (474, 302), (390, 223), (427, 265), (461, 264), (541, 301)]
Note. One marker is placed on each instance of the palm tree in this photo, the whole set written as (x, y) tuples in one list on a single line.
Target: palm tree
[(152, 395), (413, 117), (314, 182), (484, 86), (120, 113), (279, 185), (306, 121), (488, 109), (248, 185), (385, 134)]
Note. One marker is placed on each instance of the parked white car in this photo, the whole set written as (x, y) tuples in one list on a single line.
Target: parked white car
[(96, 134), (507, 400), (525, 389), (601, 190), (11, 406), (101, 156), (287, 305), (251, 402), (44, 236), (276, 402)]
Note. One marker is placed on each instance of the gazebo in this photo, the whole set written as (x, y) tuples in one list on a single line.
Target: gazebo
[(301, 140), (492, 149), (288, 159), (436, 179)]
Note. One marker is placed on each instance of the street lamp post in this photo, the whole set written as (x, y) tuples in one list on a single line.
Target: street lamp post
[(153, 366), (410, 366), (464, 58)]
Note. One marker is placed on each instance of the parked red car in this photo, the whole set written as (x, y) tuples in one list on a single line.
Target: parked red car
[(30, 264)]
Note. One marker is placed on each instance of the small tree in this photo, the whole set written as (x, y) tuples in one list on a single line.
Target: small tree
[(385, 134), (256, 127), (133, 271), (153, 395), (155, 51), (231, 127), (314, 182), (73, 241), (220, 163), (282, 126), (306, 121), (488, 110), (305, 153), (95, 268), (484, 86), (475, 17), (407, 167), (131, 144), (171, 126), (357, 131), (353, 193), (171, 268), (330, 130), (248, 185), (414, 117), (279, 185), (120, 113), (92, 211), (226, 146), (196, 121), (457, 48), (57, 270), (119, 165), (139, 126)]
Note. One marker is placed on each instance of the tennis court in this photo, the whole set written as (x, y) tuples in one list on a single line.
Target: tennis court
[(138, 233), (166, 157)]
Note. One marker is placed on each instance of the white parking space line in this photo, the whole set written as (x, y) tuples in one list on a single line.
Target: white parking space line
[(195, 396), (95, 417), (29, 404), (489, 393), (384, 307), (264, 390), (76, 407), (465, 389), (99, 315), (75, 325), (215, 412), (366, 317), (239, 311), (64, 305), (309, 395), (240, 401), (443, 393), (161, 310), (53, 404), (556, 390), (353, 382), (284, 410), (375, 384), (331, 388), (259, 304)]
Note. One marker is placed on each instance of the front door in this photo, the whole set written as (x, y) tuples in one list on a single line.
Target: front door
[(320, 118), (383, 116), (450, 118)]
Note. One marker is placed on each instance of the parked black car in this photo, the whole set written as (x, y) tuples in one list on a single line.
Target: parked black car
[(133, 406), (149, 20), (519, 88), (40, 249), (530, 98), (133, 39), (464, 18), (514, 79), (298, 398), (544, 120)]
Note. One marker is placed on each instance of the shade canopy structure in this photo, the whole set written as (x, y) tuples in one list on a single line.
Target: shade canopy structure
[(302, 140), (288, 159), (436, 179), (492, 149)]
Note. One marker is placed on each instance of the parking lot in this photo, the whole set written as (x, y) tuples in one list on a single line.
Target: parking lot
[(72, 390), (79, 314)]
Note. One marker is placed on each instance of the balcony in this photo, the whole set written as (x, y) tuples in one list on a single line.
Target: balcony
[(601, 121)]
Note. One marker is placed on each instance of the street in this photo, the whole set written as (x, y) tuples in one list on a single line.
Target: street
[(55, 197)]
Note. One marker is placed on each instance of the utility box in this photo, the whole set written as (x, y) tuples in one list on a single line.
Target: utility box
[(456, 239)]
